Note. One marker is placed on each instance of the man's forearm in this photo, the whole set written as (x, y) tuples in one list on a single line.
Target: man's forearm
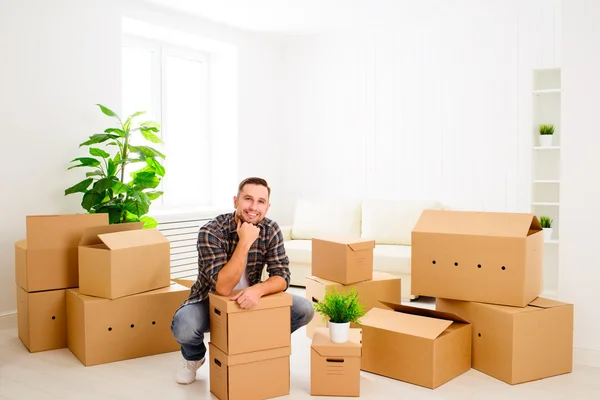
[(230, 274), (274, 284)]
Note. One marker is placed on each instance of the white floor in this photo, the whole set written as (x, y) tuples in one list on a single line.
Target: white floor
[(58, 374)]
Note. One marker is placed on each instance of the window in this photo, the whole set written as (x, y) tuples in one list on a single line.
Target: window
[(172, 85)]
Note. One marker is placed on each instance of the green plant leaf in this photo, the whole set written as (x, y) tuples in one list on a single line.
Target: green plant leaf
[(147, 151), (148, 135), (120, 187), (107, 111), (145, 180), (98, 152), (115, 130), (91, 200), (340, 307), (135, 114), (153, 195), (114, 213), (149, 124), (94, 173), (137, 208), (155, 166), (149, 222), (99, 138), (111, 168), (85, 162), (102, 185), (79, 187)]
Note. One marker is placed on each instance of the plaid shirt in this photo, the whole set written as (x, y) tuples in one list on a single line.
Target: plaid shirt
[(216, 242)]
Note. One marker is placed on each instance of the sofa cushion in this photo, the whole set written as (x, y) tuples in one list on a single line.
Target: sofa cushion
[(317, 218), (392, 221), (392, 258), (299, 251)]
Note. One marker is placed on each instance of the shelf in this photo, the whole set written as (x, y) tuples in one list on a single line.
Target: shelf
[(545, 203), (546, 181), (546, 91), (546, 148)]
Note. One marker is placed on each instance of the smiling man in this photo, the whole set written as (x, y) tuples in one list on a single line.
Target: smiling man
[(232, 252)]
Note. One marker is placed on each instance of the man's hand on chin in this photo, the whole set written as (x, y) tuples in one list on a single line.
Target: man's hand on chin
[(249, 297)]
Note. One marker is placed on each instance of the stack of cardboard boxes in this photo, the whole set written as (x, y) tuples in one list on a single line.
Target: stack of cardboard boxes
[(106, 287)]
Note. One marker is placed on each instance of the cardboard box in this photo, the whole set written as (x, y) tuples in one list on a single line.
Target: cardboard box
[(249, 376), (102, 330), (235, 330), (47, 258), (383, 287), (42, 319), (515, 344), (123, 259), (335, 367), (488, 257), (343, 260), (420, 346)]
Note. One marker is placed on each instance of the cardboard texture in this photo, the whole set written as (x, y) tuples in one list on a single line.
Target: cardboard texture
[(383, 286), (420, 346), (103, 331), (235, 330), (335, 367), (343, 260), (42, 319), (488, 257), (515, 344), (47, 258), (123, 259), (250, 376)]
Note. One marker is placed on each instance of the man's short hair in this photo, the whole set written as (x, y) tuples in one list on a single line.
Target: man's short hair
[(254, 181)]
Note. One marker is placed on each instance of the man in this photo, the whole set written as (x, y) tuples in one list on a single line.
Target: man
[(232, 251)]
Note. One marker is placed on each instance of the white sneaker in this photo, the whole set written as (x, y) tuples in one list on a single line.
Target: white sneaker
[(187, 371)]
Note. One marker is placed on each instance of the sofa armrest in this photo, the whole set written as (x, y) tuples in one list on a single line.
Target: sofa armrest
[(286, 230)]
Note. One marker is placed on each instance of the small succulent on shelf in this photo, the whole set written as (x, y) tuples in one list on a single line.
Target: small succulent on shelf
[(546, 221), (546, 129), (340, 307)]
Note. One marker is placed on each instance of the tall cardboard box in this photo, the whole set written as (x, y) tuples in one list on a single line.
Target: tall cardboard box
[(47, 258), (42, 319), (416, 345), (249, 376), (123, 259), (234, 330), (345, 260), (102, 330), (518, 344), (383, 287), (335, 367), (488, 257)]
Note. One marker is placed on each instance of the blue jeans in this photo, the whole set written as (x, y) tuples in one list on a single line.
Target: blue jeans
[(191, 322)]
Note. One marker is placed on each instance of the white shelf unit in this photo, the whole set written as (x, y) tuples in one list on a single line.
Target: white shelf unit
[(545, 173)]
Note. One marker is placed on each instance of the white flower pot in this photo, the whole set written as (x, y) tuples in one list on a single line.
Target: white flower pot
[(548, 234), (546, 140), (338, 332)]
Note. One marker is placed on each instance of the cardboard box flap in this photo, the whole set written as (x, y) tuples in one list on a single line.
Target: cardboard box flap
[(408, 324), (90, 235), (188, 283), (424, 312), (275, 300), (326, 348), (222, 358), (541, 302), (59, 231), (344, 239), (134, 238), (357, 246), (478, 223)]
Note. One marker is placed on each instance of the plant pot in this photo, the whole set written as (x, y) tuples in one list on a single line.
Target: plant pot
[(547, 234), (338, 332), (545, 140)]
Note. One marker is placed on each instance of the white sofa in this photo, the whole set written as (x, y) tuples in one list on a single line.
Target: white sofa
[(388, 222)]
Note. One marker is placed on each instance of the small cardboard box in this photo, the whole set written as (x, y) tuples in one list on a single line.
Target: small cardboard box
[(47, 258), (518, 344), (343, 260), (250, 376), (488, 257), (235, 330), (420, 346), (335, 367), (383, 287), (42, 319), (123, 259), (102, 331)]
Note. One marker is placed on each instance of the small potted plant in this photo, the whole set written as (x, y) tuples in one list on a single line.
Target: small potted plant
[(546, 132), (339, 309), (546, 223)]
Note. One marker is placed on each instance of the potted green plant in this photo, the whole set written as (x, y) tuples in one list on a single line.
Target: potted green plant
[(546, 223), (339, 309), (106, 188), (546, 132)]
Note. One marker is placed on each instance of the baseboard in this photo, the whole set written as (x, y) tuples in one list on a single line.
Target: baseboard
[(587, 357), (8, 314)]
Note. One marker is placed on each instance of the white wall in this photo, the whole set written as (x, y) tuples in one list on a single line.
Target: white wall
[(435, 107), (579, 276)]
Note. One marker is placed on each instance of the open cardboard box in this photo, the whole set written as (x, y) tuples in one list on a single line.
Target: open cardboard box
[(518, 344), (345, 260), (47, 258), (488, 257), (420, 346), (123, 259)]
